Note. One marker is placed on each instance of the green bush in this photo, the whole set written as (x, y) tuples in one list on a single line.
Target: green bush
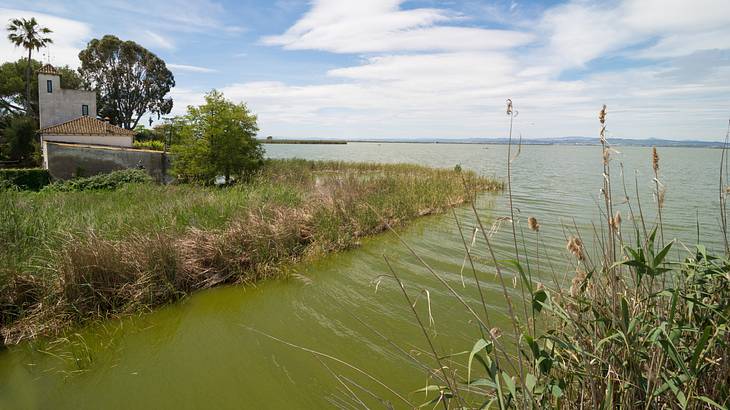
[(25, 178), (110, 181), (21, 141), (151, 145)]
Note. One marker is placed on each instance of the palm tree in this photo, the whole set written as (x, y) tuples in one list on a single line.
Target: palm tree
[(27, 34)]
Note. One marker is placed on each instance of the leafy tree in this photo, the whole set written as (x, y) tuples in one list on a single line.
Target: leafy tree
[(129, 79), (143, 133), (13, 85), (19, 141), (218, 139), (171, 130), (29, 35)]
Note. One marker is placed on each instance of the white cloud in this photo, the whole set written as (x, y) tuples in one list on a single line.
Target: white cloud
[(354, 26), (581, 31), (185, 15), (69, 37), (191, 68), (152, 39), (676, 45), (182, 97), (577, 33), (675, 15), (456, 83)]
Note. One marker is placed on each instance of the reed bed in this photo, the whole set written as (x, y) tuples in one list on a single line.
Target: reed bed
[(70, 257), (630, 326)]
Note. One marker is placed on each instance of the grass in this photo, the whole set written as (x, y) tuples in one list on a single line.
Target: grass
[(153, 145), (69, 257)]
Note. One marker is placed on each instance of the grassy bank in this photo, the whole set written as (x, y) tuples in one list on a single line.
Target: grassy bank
[(68, 257)]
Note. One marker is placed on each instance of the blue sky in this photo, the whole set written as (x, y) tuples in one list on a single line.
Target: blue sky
[(390, 68)]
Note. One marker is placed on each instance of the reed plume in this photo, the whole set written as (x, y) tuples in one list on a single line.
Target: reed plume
[(616, 221), (660, 190), (576, 286), (602, 119), (533, 224), (575, 246)]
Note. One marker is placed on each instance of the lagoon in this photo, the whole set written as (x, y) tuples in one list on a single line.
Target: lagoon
[(210, 349)]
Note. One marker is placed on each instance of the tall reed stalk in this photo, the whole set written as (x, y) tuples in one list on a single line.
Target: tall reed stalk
[(635, 329)]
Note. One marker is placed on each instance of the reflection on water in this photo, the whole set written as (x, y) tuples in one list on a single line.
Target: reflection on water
[(201, 352)]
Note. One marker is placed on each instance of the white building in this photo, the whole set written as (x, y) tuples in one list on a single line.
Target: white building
[(69, 116)]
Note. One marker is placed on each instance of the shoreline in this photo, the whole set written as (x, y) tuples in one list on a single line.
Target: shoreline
[(114, 259)]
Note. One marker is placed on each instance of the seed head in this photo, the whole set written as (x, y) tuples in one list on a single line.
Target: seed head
[(660, 196), (495, 332), (576, 286), (602, 115), (532, 224), (654, 159), (575, 246), (616, 221), (509, 106), (602, 119)]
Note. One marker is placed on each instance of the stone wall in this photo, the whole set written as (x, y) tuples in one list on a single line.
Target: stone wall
[(67, 161)]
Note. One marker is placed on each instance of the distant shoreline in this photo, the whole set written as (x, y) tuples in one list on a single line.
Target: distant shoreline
[(294, 141), (571, 141)]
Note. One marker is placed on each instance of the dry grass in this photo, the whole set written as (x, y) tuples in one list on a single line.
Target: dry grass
[(76, 256)]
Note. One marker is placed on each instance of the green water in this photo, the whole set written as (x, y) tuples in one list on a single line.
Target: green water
[(208, 351)]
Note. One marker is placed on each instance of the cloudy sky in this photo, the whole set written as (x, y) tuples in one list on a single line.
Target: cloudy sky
[(390, 68)]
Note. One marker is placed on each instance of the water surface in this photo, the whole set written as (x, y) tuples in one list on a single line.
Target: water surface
[(203, 353)]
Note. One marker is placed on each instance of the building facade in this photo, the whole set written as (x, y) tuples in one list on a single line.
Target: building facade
[(69, 116), (57, 105)]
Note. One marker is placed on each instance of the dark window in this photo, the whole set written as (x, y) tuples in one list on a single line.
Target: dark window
[(85, 110), (49, 85)]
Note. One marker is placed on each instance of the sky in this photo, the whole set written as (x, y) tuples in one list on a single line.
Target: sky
[(426, 69)]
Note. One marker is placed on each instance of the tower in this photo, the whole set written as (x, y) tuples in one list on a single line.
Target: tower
[(56, 105)]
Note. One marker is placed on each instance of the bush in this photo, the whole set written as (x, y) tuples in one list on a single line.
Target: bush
[(145, 134), (21, 142), (151, 145), (25, 178), (110, 181)]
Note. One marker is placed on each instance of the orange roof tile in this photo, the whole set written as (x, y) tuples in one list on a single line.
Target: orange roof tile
[(48, 69), (86, 126)]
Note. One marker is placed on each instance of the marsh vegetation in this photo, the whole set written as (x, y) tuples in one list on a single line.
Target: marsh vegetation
[(71, 255)]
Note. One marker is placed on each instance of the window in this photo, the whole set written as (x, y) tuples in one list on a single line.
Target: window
[(85, 110), (49, 85)]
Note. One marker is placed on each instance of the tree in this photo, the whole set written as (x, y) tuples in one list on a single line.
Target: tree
[(129, 79), (19, 141), (218, 139), (13, 85), (27, 34)]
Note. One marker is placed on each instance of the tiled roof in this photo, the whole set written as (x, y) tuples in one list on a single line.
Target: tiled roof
[(48, 69), (86, 126)]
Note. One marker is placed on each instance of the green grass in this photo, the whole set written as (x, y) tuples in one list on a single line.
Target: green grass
[(153, 145), (71, 256)]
